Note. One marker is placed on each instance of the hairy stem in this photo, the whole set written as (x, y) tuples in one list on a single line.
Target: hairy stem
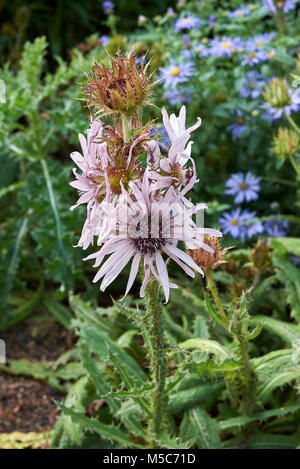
[(157, 356), (213, 290)]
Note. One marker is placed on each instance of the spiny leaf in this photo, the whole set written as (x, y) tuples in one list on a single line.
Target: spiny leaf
[(206, 429)]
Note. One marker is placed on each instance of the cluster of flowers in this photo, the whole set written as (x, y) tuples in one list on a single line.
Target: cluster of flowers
[(137, 209), (240, 224), (250, 53)]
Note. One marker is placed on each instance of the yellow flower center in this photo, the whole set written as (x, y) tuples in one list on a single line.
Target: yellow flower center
[(234, 222), (271, 54), (259, 43), (175, 71), (186, 21), (226, 44), (239, 12), (243, 186)]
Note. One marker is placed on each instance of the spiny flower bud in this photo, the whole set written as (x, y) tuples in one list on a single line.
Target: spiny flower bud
[(207, 260), (123, 90), (277, 93), (285, 143)]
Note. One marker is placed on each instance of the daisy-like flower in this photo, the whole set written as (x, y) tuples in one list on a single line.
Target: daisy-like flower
[(276, 228), (104, 40), (190, 22), (254, 57), (202, 50), (259, 40), (176, 73), (225, 47), (276, 112), (177, 97), (243, 187), (285, 5), (108, 6), (239, 126), (171, 170), (253, 85), (146, 230), (239, 12), (234, 224)]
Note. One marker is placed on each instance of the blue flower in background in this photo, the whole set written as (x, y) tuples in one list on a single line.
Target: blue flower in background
[(253, 85), (239, 12), (276, 228), (239, 126), (245, 188), (201, 50), (259, 40), (176, 73), (177, 97), (104, 40), (275, 113), (254, 57), (225, 47), (164, 139), (108, 6), (233, 224), (211, 20), (287, 5), (190, 22), (170, 12), (186, 41), (295, 260)]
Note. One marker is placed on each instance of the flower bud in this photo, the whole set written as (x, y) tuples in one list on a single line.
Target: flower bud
[(285, 143), (277, 93), (207, 260)]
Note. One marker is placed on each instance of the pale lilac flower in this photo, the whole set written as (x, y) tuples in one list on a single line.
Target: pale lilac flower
[(276, 228), (253, 85), (239, 12), (186, 41), (147, 229), (244, 187), (170, 12), (108, 6), (259, 40), (202, 50), (239, 126), (176, 73), (92, 164), (225, 47), (234, 224), (171, 170), (190, 22)]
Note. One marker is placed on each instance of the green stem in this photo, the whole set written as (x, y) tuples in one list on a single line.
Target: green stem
[(157, 353), (213, 289), (125, 128), (294, 165), (292, 122)]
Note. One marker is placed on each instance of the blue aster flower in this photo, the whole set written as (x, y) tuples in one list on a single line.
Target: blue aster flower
[(295, 260), (276, 228), (253, 85), (190, 22), (259, 40), (244, 188), (225, 47), (233, 223), (239, 126), (273, 113), (108, 6), (176, 73), (104, 40), (254, 57), (285, 5), (239, 12), (177, 97), (201, 50), (211, 20)]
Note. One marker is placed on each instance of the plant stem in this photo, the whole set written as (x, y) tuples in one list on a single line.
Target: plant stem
[(294, 165), (213, 289), (292, 122), (125, 128), (158, 357)]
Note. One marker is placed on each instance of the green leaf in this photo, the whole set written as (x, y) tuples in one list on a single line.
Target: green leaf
[(106, 431), (290, 245), (261, 416), (290, 277), (187, 398), (60, 312), (204, 345), (125, 339), (288, 332), (206, 429), (214, 314)]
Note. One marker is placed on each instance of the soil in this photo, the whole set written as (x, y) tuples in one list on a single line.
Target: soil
[(27, 405)]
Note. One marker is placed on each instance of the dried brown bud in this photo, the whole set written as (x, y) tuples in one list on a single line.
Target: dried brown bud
[(205, 259), (124, 89)]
